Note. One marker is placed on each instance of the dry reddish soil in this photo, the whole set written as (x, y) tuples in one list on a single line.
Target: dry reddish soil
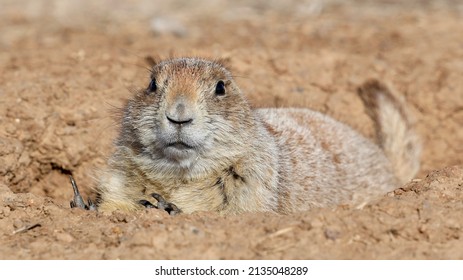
[(65, 65)]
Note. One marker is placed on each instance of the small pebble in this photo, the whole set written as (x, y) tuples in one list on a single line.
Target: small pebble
[(163, 26)]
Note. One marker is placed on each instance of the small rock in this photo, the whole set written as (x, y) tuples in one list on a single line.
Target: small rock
[(332, 234), (65, 237), (17, 223), (163, 26), (5, 211), (118, 217), (116, 230)]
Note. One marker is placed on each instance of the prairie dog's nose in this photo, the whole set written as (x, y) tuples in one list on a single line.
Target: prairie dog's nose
[(179, 114)]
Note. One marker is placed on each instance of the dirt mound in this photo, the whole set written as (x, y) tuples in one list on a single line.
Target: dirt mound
[(419, 220), (66, 65)]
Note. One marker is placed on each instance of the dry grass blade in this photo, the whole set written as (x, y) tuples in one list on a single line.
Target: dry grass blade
[(26, 228)]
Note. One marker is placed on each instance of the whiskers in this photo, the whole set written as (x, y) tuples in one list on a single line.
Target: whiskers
[(148, 59)]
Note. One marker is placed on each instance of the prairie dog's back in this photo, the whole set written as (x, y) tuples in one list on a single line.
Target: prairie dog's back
[(327, 162)]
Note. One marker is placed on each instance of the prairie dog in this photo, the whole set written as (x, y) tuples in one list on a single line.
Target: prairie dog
[(192, 138)]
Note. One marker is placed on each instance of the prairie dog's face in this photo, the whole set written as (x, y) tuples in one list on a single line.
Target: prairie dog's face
[(190, 111)]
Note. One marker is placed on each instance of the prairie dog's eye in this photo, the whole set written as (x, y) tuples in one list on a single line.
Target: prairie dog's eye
[(152, 86), (220, 88)]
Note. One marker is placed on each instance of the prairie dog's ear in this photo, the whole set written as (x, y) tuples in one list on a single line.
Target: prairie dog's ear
[(151, 60)]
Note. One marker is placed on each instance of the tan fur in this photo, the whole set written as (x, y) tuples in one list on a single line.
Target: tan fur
[(238, 159), (394, 128)]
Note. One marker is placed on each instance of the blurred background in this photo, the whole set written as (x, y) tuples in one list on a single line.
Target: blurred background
[(66, 64)]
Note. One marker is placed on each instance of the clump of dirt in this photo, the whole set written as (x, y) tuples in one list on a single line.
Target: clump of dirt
[(65, 67)]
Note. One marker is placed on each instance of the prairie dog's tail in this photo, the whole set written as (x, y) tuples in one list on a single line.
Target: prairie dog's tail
[(394, 128)]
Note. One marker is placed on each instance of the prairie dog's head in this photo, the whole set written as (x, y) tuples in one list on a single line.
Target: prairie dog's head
[(190, 113)]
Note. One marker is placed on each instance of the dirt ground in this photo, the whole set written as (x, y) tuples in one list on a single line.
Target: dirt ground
[(66, 64)]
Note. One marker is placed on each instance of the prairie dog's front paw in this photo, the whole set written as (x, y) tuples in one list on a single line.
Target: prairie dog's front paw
[(162, 204), (78, 201)]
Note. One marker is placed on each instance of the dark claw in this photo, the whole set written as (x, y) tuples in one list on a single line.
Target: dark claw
[(91, 205), (171, 208), (78, 201), (146, 203), (162, 204)]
